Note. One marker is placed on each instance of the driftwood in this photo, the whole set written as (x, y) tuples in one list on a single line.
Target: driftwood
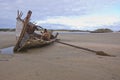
[(23, 30), (101, 53)]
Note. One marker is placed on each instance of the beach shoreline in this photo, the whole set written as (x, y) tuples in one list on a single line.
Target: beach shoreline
[(62, 62)]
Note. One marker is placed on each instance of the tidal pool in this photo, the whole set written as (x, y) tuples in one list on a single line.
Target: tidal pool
[(8, 50)]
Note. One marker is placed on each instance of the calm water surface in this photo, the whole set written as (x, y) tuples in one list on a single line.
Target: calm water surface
[(8, 50)]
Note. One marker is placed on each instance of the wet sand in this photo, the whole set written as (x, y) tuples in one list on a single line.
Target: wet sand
[(61, 62)]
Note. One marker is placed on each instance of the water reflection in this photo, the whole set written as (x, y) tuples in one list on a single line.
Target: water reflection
[(8, 50)]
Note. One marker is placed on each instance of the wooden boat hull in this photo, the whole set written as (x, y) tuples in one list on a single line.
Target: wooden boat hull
[(27, 38), (35, 43)]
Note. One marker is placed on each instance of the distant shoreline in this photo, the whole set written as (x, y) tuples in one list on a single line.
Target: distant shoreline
[(64, 30)]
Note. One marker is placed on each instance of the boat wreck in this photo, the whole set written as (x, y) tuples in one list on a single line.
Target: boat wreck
[(27, 37)]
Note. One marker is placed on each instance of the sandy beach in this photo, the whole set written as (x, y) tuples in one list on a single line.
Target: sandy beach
[(61, 62)]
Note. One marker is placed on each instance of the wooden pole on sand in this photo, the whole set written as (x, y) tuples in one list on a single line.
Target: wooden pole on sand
[(101, 53)]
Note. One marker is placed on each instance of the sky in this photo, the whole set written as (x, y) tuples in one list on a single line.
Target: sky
[(63, 14)]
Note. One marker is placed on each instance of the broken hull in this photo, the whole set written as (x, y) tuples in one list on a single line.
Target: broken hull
[(35, 43)]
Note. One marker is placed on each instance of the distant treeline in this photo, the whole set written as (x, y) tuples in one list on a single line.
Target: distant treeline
[(106, 30), (6, 29)]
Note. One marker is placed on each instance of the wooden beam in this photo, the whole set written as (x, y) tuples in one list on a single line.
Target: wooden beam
[(23, 30)]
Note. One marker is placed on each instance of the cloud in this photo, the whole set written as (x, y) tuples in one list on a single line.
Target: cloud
[(45, 9), (77, 22)]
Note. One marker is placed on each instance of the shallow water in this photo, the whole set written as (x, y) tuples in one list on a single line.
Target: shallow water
[(8, 50), (73, 32)]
